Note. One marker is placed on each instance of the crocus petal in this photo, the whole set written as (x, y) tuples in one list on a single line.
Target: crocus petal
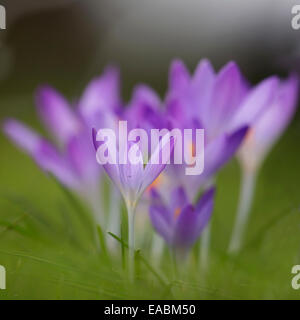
[(225, 98), (155, 197), (152, 170), (94, 139), (258, 99), (185, 231), (111, 169), (81, 156), (131, 174), (159, 220), (41, 151), (144, 95), (203, 71), (21, 135), (176, 108), (50, 160), (56, 114), (271, 124), (201, 89), (221, 150), (179, 199), (204, 209), (179, 76), (101, 95), (143, 110)]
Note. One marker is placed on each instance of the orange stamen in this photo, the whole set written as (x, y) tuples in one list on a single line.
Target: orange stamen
[(177, 212)]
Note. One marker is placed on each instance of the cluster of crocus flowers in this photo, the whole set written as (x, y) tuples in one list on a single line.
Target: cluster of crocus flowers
[(237, 119)]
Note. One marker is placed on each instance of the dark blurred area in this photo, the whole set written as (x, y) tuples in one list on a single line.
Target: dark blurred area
[(66, 42)]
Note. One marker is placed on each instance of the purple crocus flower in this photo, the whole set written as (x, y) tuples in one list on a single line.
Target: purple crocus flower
[(268, 126), (72, 159), (180, 223), (279, 104), (132, 179), (207, 101)]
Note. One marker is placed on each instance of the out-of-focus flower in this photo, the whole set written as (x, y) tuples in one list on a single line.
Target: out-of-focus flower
[(269, 125), (72, 161), (180, 223), (73, 167), (207, 101), (145, 109), (278, 104)]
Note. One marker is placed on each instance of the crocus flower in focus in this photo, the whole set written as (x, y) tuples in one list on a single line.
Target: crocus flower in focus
[(180, 223), (133, 179), (265, 130), (72, 159)]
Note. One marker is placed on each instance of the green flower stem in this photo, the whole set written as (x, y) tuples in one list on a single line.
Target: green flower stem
[(131, 210), (245, 202), (205, 247)]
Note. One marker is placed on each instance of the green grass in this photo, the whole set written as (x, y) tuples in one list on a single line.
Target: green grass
[(47, 241)]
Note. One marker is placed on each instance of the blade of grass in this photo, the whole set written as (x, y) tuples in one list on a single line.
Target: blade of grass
[(142, 259), (124, 244), (150, 268), (102, 242), (75, 203), (258, 239), (13, 225)]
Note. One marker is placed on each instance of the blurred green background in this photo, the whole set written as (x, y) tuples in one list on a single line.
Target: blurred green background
[(45, 239)]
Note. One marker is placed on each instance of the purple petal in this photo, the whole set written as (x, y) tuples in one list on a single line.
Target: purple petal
[(152, 170), (42, 152), (101, 95), (258, 99), (56, 114), (221, 150), (94, 138), (159, 219), (143, 110), (185, 230), (201, 89), (144, 95), (155, 197), (225, 98), (204, 209), (178, 199), (179, 76), (203, 71), (270, 125), (111, 169), (50, 160), (21, 135), (131, 175), (176, 108), (81, 155)]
